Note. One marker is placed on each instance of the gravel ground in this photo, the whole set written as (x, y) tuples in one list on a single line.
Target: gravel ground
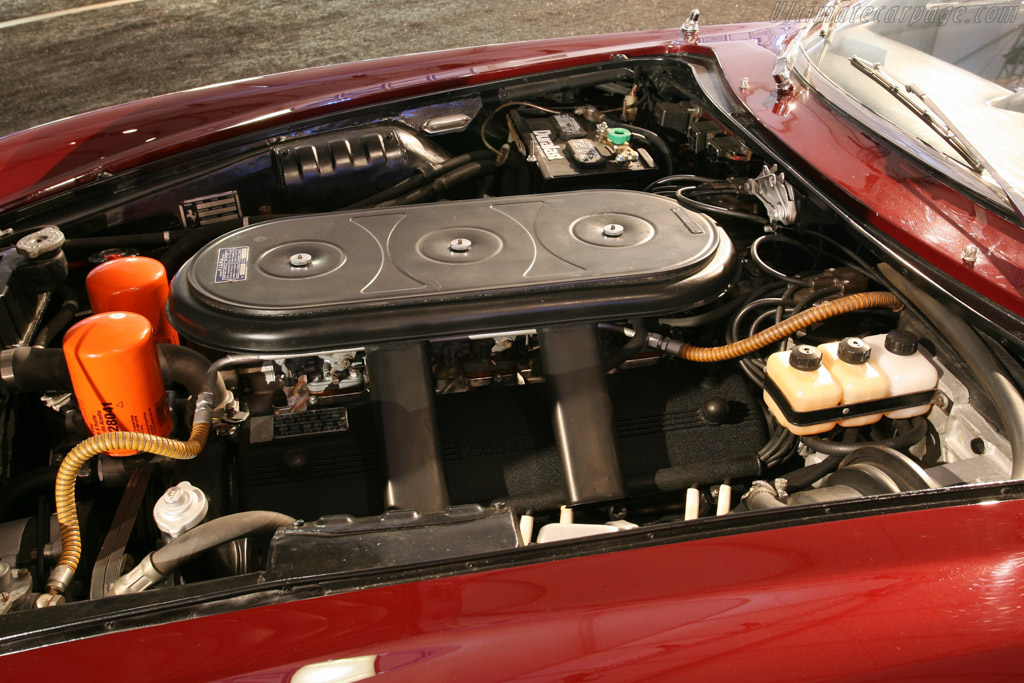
[(64, 65)]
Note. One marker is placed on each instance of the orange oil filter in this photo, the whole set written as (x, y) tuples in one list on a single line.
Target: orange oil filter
[(115, 374), (134, 283)]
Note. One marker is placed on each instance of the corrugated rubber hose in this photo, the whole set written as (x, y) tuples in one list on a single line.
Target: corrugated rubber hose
[(823, 311), (67, 509)]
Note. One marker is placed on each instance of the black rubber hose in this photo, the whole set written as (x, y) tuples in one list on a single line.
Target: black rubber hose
[(68, 309), (985, 367), (443, 183), (40, 370), (651, 137), (28, 369), (189, 368), (421, 175), (211, 534), (188, 244), (632, 345), (805, 476), (918, 430), (763, 265), (20, 487)]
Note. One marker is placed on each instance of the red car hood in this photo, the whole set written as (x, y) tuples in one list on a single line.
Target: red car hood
[(53, 157), (901, 198)]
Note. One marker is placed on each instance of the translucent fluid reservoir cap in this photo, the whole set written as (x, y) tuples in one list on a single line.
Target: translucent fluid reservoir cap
[(805, 357), (854, 350), (901, 342)]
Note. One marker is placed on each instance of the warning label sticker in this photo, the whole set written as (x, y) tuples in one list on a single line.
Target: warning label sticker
[(232, 264)]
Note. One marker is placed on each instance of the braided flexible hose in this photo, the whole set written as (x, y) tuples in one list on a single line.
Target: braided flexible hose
[(67, 508), (779, 331)]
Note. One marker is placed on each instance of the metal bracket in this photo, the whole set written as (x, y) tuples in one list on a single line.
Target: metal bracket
[(775, 193)]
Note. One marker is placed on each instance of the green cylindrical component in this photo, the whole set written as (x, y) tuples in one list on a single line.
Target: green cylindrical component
[(618, 136)]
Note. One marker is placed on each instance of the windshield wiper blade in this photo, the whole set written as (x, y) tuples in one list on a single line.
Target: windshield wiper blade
[(933, 116), (899, 91)]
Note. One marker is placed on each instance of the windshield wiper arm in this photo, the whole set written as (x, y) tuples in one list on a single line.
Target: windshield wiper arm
[(934, 117)]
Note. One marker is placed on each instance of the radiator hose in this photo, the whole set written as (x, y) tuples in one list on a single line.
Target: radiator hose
[(160, 564), (777, 332)]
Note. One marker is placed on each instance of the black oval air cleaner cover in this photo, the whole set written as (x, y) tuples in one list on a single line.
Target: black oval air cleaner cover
[(447, 269)]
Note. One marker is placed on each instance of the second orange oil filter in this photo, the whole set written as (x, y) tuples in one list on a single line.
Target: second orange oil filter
[(136, 284)]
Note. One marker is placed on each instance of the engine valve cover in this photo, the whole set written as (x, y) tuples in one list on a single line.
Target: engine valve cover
[(448, 269)]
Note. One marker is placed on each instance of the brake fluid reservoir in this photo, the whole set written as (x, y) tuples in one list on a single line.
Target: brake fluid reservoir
[(849, 361), (137, 284), (805, 383), (116, 377), (896, 354)]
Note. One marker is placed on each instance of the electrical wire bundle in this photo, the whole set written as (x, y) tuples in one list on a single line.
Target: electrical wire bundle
[(690, 190)]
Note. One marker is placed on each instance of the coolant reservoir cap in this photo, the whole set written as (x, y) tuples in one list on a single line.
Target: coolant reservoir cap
[(805, 357), (854, 350), (619, 136), (901, 342)]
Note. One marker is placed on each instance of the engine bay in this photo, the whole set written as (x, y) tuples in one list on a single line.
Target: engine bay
[(560, 309)]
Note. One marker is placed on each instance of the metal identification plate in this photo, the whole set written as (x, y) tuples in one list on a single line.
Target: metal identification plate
[(214, 208)]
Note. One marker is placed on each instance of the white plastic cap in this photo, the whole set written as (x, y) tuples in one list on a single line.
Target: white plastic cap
[(180, 508), (557, 531)]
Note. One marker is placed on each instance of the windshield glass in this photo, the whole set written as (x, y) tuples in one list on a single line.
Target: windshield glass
[(968, 57)]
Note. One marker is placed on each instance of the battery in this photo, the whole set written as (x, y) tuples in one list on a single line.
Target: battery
[(567, 148)]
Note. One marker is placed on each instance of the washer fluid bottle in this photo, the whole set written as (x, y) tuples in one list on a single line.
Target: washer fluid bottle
[(896, 354), (806, 384), (849, 361)]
